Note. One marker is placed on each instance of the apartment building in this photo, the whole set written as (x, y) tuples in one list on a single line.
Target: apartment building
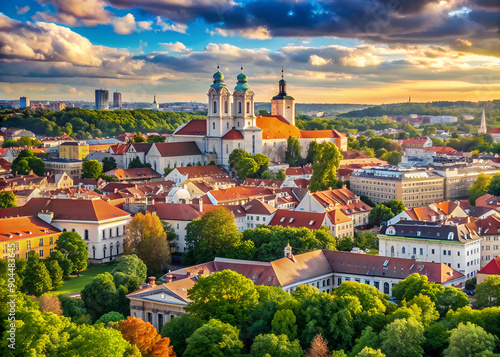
[(415, 187)]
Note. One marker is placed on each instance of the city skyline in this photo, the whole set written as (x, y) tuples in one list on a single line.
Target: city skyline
[(337, 52)]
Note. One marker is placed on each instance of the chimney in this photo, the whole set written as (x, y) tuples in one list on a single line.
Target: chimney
[(115, 190), (201, 272), (152, 280), (344, 186), (169, 278)]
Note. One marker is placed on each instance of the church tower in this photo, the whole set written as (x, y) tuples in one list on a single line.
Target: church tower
[(482, 129), (155, 104), (219, 119), (243, 103), (283, 104)]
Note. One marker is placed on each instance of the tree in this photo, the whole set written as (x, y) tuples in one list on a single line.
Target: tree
[(91, 169), (146, 238), (138, 138), (39, 279), (392, 158), (469, 340), (436, 339), (325, 165), (72, 246), (50, 303), (214, 339), (368, 338), (236, 156), (292, 153), (156, 139), (133, 267), (403, 338), (7, 199), (180, 329), (225, 295), (494, 188), (64, 263), (215, 234), (451, 299), (319, 347), (136, 163), (145, 337), (488, 292), (108, 163), (480, 187), (396, 206), (263, 162), (99, 296), (311, 151), (370, 352), (247, 167), (416, 284), (111, 316), (55, 273), (380, 213), (280, 175), (27, 161), (275, 346), (285, 323)]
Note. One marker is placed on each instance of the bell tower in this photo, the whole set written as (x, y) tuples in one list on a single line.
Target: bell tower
[(219, 119), (283, 104), (243, 103)]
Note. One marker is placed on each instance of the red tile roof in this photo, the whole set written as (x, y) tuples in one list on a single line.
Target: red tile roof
[(233, 134), (348, 201), (336, 216), (276, 127), (287, 218), (302, 183), (495, 131), (176, 211), (142, 173), (202, 171), (493, 267), (262, 182), (441, 149), (295, 171), (119, 149), (141, 147), (311, 134), (112, 186), (186, 148), (258, 207), (67, 209), (239, 193), (196, 127), (16, 228), (301, 267)]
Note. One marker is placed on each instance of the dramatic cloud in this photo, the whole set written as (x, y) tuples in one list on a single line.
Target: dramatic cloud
[(181, 28), (177, 47), (22, 10), (75, 12)]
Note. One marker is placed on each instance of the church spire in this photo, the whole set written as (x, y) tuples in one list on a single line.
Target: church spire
[(482, 127)]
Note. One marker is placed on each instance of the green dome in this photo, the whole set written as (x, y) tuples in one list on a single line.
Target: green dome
[(282, 81), (242, 77), (218, 76)]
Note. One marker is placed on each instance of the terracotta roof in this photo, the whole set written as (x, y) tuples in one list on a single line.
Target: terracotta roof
[(336, 216), (233, 134), (258, 207), (399, 268), (186, 148), (5, 165), (119, 149), (276, 127), (67, 209), (417, 141), (176, 211), (348, 201), (202, 171), (236, 210), (301, 267), (16, 228), (141, 147), (489, 201), (110, 187), (302, 183), (262, 182), (239, 193), (85, 181), (295, 171), (490, 225), (441, 149), (344, 172), (287, 218), (134, 174), (321, 134), (194, 127), (494, 131), (493, 267)]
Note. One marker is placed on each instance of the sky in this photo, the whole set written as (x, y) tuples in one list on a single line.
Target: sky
[(334, 51)]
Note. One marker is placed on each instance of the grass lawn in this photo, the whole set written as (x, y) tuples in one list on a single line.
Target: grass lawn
[(77, 283)]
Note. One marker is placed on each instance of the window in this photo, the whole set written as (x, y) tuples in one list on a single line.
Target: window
[(28, 246), (449, 252), (150, 317), (40, 253), (444, 252), (110, 233), (421, 251), (339, 281), (433, 251), (40, 243), (103, 234), (160, 321), (51, 240), (215, 111), (239, 107), (225, 106), (248, 107), (178, 225), (458, 253), (117, 234), (403, 250), (26, 255), (414, 250), (213, 126)]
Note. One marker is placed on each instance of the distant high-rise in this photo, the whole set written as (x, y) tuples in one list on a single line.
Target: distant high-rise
[(101, 99), (24, 102), (117, 100)]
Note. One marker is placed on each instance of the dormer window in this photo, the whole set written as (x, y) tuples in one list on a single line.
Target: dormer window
[(291, 220), (282, 219)]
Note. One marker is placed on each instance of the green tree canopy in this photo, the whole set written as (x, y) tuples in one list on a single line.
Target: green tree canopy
[(380, 213), (325, 165), (396, 206), (214, 339), (7, 199), (156, 139), (111, 316), (403, 338), (285, 323), (180, 329), (133, 267), (108, 163), (488, 292), (26, 161), (72, 246), (236, 156), (494, 188), (100, 295), (55, 273), (293, 152), (470, 340), (91, 169), (225, 295), (416, 284), (480, 187), (275, 346), (247, 167), (38, 281)]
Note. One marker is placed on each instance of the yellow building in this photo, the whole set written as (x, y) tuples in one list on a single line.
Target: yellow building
[(74, 150), (19, 235)]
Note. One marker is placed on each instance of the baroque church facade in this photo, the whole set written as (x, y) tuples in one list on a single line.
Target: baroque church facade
[(231, 124)]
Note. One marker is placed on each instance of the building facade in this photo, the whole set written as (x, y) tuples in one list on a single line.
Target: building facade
[(74, 150), (117, 100), (101, 99)]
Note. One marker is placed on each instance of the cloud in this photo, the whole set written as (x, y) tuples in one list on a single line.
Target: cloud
[(177, 47), (22, 10), (318, 61), (126, 25), (75, 12), (181, 28), (145, 25)]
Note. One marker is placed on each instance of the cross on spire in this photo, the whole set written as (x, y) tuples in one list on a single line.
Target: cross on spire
[(282, 71)]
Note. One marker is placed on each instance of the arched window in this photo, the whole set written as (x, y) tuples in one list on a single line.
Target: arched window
[(392, 251), (86, 234), (215, 107), (239, 107), (403, 250), (213, 125), (386, 288), (227, 126), (248, 107), (225, 106), (104, 250), (227, 149)]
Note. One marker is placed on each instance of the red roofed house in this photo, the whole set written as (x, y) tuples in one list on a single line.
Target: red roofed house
[(434, 212), (495, 132), (138, 174), (492, 268), (341, 198), (163, 156), (231, 124), (100, 224), (488, 201), (181, 174), (323, 269), (489, 230)]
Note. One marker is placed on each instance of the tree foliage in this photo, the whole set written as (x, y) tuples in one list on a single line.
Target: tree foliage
[(72, 246), (108, 163), (293, 152), (488, 292), (38, 281), (403, 338), (215, 338), (91, 169), (325, 165), (99, 296), (146, 238), (7, 199), (180, 329), (275, 346), (26, 161), (480, 187), (470, 340), (380, 213)]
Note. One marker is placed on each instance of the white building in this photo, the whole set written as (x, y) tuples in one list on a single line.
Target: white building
[(456, 245)]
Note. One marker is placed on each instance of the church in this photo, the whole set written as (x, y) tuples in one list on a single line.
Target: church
[(231, 124)]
